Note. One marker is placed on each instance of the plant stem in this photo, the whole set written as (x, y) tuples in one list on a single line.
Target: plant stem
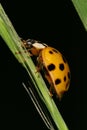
[(14, 43)]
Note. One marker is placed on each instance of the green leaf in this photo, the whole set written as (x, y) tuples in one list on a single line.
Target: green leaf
[(81, 8)]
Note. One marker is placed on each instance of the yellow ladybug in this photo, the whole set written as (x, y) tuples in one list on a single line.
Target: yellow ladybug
[(55, 67)]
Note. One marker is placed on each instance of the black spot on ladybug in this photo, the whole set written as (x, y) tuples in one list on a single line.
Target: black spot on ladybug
[(55, 50), (69, 75), (64, 78), (50, 52), (51, 67), (64, 59), (57, 81), (61, 66)]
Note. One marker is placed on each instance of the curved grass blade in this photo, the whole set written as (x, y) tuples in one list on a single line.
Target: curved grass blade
[(36, 103), (81, 8), (14, 43)]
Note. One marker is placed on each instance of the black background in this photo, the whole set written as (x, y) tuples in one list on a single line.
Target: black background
[(58, 25)]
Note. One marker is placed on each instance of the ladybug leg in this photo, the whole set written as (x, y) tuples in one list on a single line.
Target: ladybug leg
[(26, 47), (39, 66), (51, 91), (48, 78), (30, 54), (50, 82), (38, 69)]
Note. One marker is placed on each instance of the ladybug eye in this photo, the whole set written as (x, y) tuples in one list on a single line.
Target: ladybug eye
[(61, 66), (57, 81), (31, 41), (51, 67)]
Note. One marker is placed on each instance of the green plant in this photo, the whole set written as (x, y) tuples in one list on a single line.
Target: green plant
[(13, 41), (81, 8)]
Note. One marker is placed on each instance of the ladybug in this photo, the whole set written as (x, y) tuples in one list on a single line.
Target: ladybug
[(53, 64)]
